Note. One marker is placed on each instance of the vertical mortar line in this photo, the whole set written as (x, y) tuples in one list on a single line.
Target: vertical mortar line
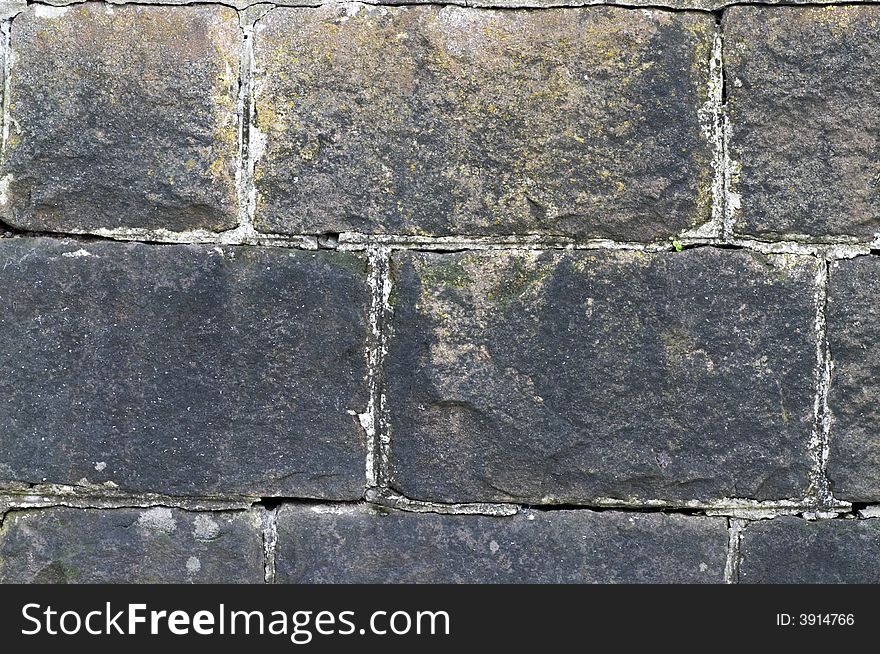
[(250, 141), (270, 543), (714, 121), (244, 119), (735, 527), (820, 486), (383, 425), (6, 31), (730, 169), (374, 419)]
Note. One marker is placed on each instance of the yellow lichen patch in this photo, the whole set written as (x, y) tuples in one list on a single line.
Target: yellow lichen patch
[(507, 117), (225, 40), (268, 115)]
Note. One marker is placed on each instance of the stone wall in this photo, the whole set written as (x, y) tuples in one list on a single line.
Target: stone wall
[(491, 291)]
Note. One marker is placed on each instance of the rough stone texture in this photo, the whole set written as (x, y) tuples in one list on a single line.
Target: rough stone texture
[(123, 117), (802, 112), (11, 8), (182, 369), (356, 545), (429, 120), (157, 545), (567, 377), (790, 550), (853, 319)]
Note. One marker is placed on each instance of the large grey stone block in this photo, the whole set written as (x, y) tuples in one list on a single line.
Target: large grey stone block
[(568, 377), (802, 114), (360, 545), (430, 120), (853, 319), (157, 545), (123, 116), (790, 550), (182, 369)]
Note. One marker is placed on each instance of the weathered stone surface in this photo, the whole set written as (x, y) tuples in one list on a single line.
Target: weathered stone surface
[(430, 120), (182, 369), (157, 545), (123, 117), (802, 115), (359, 545), (567, 377), (790, 550), (853, 319), (10, 8)]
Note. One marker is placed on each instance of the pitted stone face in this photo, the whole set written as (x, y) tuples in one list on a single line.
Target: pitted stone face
[(132, 545), (803, 111), (853, 319), (789, 550), (184, 370), (359, 546), (573, 377), (123, 116), (428, 120)]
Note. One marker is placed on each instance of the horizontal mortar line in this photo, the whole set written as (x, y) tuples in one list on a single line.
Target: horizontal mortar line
[(167, 237), (722, 506), (383, 498), (41, 494), (355, 241), (8, 504), (464, 4), (834, 249), (794, 3), (738, 509), (159, 3), (390, 498), (707, 7)]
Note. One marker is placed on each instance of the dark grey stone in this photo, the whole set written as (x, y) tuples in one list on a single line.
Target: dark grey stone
[(790, 550), (183, 369), (803, 113), (157, 545), (853, 319), (123, 117), (566, 377), (443, 120), (361, 545)]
